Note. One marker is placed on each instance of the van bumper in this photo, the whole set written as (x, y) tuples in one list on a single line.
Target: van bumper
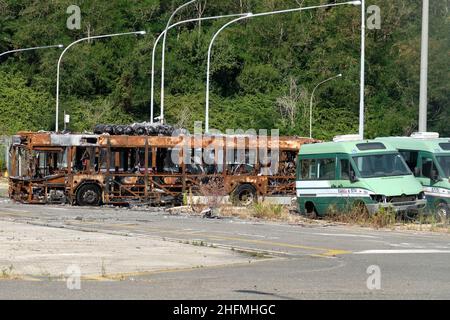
[(412, 206)]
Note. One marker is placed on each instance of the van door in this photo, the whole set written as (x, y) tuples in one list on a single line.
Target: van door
[(426, 169), (344, 184), (326, 172), (318, 183)]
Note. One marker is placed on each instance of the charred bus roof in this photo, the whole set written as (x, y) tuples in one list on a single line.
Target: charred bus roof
[(67, 140)]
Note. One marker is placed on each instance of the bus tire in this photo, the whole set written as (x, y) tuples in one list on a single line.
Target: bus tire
[(89, 195), (310, 210), (442, 212), (244, 195)]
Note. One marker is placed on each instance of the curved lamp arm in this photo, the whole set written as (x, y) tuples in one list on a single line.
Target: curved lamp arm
[(67, 48)]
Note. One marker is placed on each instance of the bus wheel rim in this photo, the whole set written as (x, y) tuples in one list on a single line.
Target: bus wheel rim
[(442, 213), (90, 197), (246, 197)]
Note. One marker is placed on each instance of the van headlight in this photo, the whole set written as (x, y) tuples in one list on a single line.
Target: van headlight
[(421, 196)]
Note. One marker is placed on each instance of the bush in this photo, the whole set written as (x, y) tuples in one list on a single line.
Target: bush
[(268, 211), (358, 214)]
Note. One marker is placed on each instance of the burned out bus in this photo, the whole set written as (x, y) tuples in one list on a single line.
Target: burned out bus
[(95, 169)]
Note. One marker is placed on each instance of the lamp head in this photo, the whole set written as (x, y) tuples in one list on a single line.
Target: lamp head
[(356, 3), (60, 46), (250, 14), (142, 32)]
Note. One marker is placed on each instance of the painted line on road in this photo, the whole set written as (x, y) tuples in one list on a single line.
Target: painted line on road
[(326, 252), (125, 275), (14, 210), (16, 277), (345, 235), (407, 251), (59, 209)]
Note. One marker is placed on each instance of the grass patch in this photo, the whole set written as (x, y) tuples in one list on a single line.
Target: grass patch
[(3, 188), (269, 211), (359, 215), (388, 218), (263, 211), (7, 272), (252, 254)]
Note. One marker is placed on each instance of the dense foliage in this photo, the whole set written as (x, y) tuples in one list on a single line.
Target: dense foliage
[(263, 70)]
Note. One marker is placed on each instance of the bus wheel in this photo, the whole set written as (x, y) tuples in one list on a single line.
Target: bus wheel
[(310, 210), (442, 213), (244, 195), (88, 195)]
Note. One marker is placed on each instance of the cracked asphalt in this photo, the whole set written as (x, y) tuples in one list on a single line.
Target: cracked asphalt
[(310, 261)]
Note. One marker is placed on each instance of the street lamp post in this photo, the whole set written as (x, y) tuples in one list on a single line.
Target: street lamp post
[(423, 106), (250, 15), (363, 67), (164, 54), (22, 50), (152, 102), (33, 48), (67, 48), (312, 99)]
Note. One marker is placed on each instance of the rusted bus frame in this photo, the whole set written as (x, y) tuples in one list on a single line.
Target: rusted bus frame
[(213, 142), (283, 143), (224, 143)]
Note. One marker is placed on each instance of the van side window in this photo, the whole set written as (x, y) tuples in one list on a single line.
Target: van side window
[(309, 169), (410, 158), (345, 169), (318, 169), (427, 166), (327, 169)]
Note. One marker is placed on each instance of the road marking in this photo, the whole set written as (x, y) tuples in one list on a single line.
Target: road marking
[(414, 251), (60, 209), (15, 210), (124, 275), (254, 235), (345, 235), (327, 251)]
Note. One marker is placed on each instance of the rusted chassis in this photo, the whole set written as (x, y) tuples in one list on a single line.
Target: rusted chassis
[(130, 169)]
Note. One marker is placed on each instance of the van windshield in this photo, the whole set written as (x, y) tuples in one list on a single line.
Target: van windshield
[(444, 161), (381, 165)]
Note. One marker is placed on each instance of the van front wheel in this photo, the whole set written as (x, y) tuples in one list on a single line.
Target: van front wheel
[(442, 213)]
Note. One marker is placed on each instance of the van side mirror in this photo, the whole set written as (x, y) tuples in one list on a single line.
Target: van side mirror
[(435, 175), (417, 172), (353, 177)]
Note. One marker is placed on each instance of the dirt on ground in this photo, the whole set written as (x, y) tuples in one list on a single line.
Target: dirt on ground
[(3, 187), (39, 251), (287, 214)]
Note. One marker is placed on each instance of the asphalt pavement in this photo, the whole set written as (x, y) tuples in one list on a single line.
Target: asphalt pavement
[(304, 261)]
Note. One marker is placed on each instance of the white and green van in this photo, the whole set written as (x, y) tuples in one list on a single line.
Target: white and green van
[(344, 174), (428, 156)]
